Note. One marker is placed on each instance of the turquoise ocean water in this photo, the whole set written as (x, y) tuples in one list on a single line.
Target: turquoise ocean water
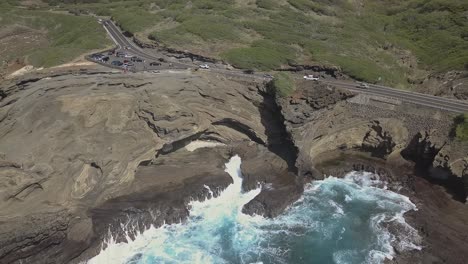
[(336, 221)]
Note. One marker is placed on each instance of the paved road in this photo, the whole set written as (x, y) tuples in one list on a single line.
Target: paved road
[(129, 46), (447, 104), (441, 103)]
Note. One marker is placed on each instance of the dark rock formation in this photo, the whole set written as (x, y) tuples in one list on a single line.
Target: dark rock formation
[(407, 146), (280, 187), (422, 150), (34, 238), (377, 141)]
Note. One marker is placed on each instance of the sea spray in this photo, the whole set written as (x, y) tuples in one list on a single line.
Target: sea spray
[(335, 221)]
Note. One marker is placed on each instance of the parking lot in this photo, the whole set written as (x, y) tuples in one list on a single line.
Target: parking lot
[(125, 60)]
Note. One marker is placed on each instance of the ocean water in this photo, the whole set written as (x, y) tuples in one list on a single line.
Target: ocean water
[(335, 221)]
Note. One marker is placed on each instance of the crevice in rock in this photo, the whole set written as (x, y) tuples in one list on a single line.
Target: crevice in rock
[(178, 144), (279, 139), (210, 97), (28, 81), (150, 124), (422, 152), (3, 95), (240, 127), (26, 190), (126, 85), (94, 165)]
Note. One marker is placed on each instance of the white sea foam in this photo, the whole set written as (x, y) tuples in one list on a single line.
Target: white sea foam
[(228, 204), (341, 220)]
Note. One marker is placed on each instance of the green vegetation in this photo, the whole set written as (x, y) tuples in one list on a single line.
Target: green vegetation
[(261, 55), (204, 28), (389, 42), (283, 85), (461, 130), (65, 36)]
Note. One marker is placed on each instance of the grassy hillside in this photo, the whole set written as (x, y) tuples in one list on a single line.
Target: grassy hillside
[(392, 42), (46, 38)]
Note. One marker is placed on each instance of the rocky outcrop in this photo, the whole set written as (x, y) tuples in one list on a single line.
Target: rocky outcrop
[(449, 84), (40, 233), (87, 153), (422, 149), (408, 146), (96, 143), (260, 167), (161, 192)]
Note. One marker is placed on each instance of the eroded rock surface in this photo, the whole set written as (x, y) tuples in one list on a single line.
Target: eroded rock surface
[(82, 154), (336, 132), (105, 147)]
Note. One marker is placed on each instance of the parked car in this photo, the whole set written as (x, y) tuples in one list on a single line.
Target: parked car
[(363, 85), (111, 52), (249, 71), (105, 59), (311, 77), (269, 76), (204, 66), (128, 55), (117, 63), (155, 64), (136, 59), (128, 64), (97, 56), (161, 60), (120, 54)]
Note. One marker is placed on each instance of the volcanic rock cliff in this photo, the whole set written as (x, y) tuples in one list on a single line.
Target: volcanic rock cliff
[(83, 154), (336, 131)]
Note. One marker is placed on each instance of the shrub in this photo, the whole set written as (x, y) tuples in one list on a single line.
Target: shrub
[(261, 55), (283, 85), (461, 129), (266, 4)]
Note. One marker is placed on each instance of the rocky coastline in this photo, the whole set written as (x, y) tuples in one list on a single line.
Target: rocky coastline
[(84, 155)]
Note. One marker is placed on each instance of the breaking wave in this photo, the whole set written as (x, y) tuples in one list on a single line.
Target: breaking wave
[(336, 221)]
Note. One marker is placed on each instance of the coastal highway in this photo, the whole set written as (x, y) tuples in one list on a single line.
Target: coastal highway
[(130, 47), (441, 103)]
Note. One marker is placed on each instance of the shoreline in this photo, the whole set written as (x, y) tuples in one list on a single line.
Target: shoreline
[(94, 148), (440, 241)]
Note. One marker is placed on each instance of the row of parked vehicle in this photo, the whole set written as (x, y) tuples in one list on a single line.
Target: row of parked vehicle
[(129, 60), (100, 57)]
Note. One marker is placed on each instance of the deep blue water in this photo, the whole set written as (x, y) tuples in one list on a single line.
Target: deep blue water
[(336, 221)]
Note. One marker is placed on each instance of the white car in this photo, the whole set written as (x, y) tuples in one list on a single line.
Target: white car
[(363, 85), (204, 66), (128, 55), (311, 78)]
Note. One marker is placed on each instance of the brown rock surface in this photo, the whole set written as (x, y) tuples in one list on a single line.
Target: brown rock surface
[(409, 145), (82, 153), (99, 147)]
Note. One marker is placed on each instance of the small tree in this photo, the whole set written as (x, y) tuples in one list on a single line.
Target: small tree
[(461, 130)]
